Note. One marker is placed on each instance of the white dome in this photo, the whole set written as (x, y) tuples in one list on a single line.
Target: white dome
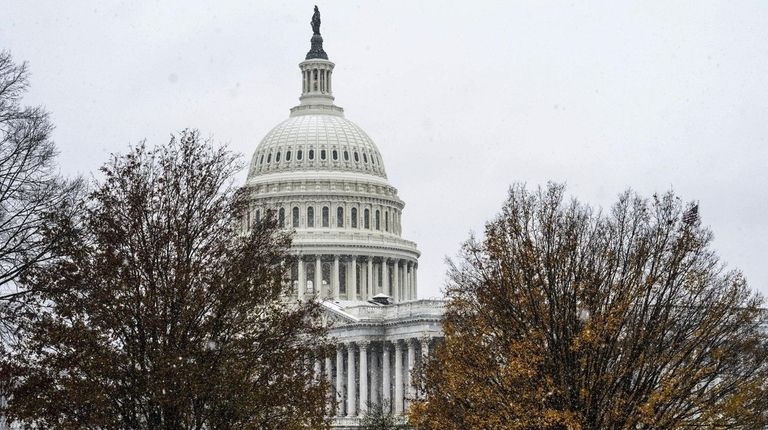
[(317, 142)]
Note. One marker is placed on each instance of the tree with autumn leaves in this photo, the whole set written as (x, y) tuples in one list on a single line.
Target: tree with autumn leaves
[(161, 311), (563, 317)]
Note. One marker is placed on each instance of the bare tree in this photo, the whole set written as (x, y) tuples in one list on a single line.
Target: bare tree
[(566, 318), (31, 192), (161, 312)]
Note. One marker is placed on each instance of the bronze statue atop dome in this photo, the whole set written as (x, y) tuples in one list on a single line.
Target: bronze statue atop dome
[(316, 21), (316, 51)]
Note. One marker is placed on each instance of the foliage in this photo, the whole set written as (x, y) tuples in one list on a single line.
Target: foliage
[(378, 417), (163, 313), (567, 318)]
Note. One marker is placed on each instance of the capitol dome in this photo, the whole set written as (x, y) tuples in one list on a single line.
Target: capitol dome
[(321, 142), (323, 178)]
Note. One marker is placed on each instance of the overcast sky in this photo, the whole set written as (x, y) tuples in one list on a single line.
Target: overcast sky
[(462, 99)]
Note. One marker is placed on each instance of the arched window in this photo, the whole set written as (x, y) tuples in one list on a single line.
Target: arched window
[(325, 216), (339, 216), (277, 157), (367, 219), (295, 217), (386, 221), (378, 220), (335, 155), (354, 217), (322, 154), (357, 157), (346, 155), (261, 159), (311, 154), (269, 158), (288, 156), (258, 215), (298, 155), (365, 158), (281, 218), (310, 217)]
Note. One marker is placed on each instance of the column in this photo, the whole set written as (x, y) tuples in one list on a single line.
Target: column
[(302, 278), (352, 284), (396, 280), (351, 396), (318, 369), (318, 277), (385, 277), (335, 278), (363, 377), (385, 376), (415, 280), (363, 288), (398, 400), (329, 379), (339, 381), (411, 364), (375, 372), (370, 275)]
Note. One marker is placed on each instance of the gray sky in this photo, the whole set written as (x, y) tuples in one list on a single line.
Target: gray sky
[(461, 98)]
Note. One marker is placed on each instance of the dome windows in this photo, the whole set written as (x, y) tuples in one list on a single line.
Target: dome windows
[(378, 220), (365, 158), (310, 216), (346, 155), (386, 221), (339, 217), (354, 217), (288, 156), (269, 158), (326, 215), (295, 216), (335, 155), (299, 154), (357, 157), (322, 154), (277, 157), (261, 159), (281, 218), (311, 154), (367, 219)]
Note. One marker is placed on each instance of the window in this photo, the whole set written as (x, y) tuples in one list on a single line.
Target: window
[(357, 158), (365, 158), (258, 215), (295, 217), (277, 157), (386, 221), (261, 160), (346, 155), (298, 155), (378, 220), (322, 154), (281, 218), (335, 155), (269, 158), (339, 216), (311, 154), (354, 217), (325, 216), (310, 217), (288, 156), (367, 218)]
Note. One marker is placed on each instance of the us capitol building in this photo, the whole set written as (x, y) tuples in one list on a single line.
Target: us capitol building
[(324, 178)]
